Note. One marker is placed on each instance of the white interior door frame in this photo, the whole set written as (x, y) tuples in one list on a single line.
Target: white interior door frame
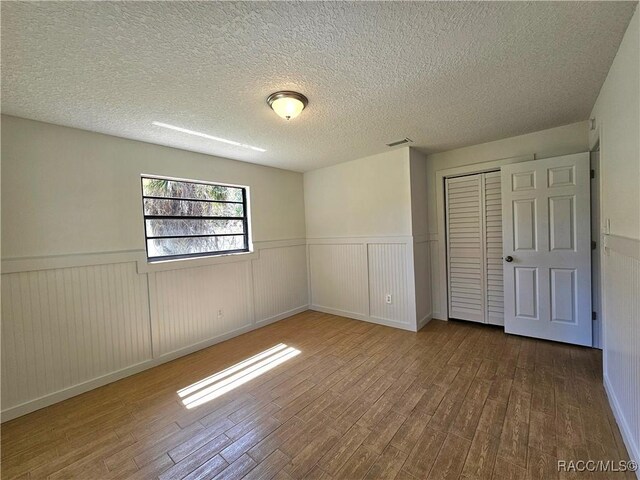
[(439, 278), (596, 253), (595, 144)]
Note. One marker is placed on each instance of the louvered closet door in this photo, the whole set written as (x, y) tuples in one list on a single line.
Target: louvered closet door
[(465, 248), (493, 248)]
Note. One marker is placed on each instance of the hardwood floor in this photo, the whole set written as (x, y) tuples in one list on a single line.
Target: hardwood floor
[(455, 400)]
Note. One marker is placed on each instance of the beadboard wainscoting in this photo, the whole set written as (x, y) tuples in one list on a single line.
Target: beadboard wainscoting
[(72, 323), (438, 299), (353, 276), (63, 327), (191, 306), (422, 272), (621, 335)]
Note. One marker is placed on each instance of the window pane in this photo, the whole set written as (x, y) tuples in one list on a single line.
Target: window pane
[(186, 203), (185, 246), (186, 208), (158, 187), (188, 226)]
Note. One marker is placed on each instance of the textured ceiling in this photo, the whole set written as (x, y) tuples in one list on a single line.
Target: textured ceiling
[(443, 74)]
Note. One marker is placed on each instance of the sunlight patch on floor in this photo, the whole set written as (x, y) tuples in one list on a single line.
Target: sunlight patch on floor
[(222, 382)]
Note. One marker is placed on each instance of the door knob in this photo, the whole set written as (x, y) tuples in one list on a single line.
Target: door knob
[(508, 258)]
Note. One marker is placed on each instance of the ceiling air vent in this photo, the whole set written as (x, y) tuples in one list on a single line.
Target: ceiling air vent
[(399, 142)]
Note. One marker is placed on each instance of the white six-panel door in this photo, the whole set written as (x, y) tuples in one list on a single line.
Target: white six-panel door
[(547, 249)]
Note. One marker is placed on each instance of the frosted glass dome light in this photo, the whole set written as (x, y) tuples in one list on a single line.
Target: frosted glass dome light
[(287, 104)]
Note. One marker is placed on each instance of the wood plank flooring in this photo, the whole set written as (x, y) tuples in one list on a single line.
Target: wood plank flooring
[(455, 400)]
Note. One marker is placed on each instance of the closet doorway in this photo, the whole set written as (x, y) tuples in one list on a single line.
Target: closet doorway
[(474, 247)]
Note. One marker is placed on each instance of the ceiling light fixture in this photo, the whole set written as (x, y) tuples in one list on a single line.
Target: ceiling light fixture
[(287, 104), (210, 137)]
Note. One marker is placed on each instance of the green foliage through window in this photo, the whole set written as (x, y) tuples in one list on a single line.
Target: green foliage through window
[(184, 218)]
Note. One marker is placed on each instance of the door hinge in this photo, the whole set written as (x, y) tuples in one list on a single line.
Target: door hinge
[(593, 173), (593, 244), (594, 316)]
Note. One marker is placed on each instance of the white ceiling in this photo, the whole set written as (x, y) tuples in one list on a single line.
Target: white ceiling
[(443, 74)]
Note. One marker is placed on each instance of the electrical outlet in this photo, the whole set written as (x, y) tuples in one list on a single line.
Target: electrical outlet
[(220, 313), (388, 298)]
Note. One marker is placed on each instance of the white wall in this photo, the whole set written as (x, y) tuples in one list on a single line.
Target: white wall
[(617, 120), (553, 142), (73, 191), (340, 200), (360, 242), (81, 307)]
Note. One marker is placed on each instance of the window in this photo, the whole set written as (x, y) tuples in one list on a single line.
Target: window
[(191, 219)]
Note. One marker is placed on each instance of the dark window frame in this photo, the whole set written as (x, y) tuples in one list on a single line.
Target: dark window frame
[(244, 218)]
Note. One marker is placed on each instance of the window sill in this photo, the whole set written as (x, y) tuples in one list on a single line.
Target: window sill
[(144, 266)]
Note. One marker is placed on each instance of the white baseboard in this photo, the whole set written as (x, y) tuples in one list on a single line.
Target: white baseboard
[(364, 318), (424, 321), (60, 395), (632, 447), (50, 399), (283, 315)]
